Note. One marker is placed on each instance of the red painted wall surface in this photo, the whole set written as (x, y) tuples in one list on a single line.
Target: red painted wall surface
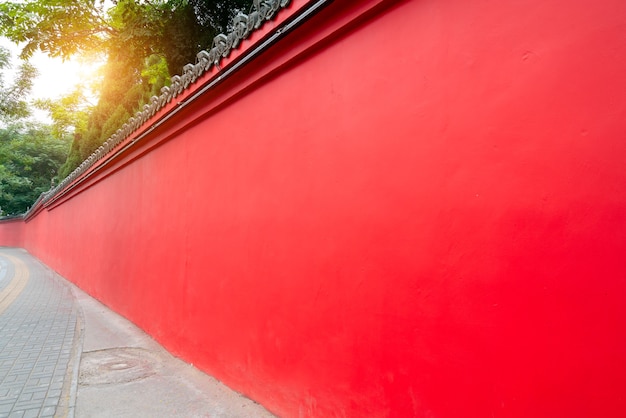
[(11, 232), (421, 214)]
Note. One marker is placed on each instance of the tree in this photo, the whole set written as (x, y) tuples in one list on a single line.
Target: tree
[(63, 28), (31, 156), (59, 28), (69, 113), (13, 104), (145, 42), (69, 116)]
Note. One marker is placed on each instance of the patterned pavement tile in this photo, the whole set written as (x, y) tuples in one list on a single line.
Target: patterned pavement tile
[(38, 322)]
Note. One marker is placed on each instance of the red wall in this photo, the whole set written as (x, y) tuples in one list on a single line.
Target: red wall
[(11, 232), (415, 211)]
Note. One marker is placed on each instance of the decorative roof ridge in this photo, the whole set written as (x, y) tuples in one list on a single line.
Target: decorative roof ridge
[(243, 26)]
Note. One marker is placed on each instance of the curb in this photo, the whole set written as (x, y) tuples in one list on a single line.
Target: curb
[(77, 353), (67, 404)]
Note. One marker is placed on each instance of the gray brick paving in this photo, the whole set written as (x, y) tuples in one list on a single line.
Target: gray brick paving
[(37, 332), (6, 273)]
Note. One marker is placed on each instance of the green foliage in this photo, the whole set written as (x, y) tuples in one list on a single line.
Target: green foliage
[(72, 161), (145, 42), (69, 114), (182, 35), (117, 119), (57, 27), (12, 97), (218, 14), (30, 157), (155, 74)]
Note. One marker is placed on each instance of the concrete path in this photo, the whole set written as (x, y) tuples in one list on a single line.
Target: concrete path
[(64, 354)]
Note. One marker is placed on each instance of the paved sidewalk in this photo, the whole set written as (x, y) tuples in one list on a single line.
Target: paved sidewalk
[(64, 354), (38, 317)]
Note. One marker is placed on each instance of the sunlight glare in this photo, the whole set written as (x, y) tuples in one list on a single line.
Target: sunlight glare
[(58, 78)]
